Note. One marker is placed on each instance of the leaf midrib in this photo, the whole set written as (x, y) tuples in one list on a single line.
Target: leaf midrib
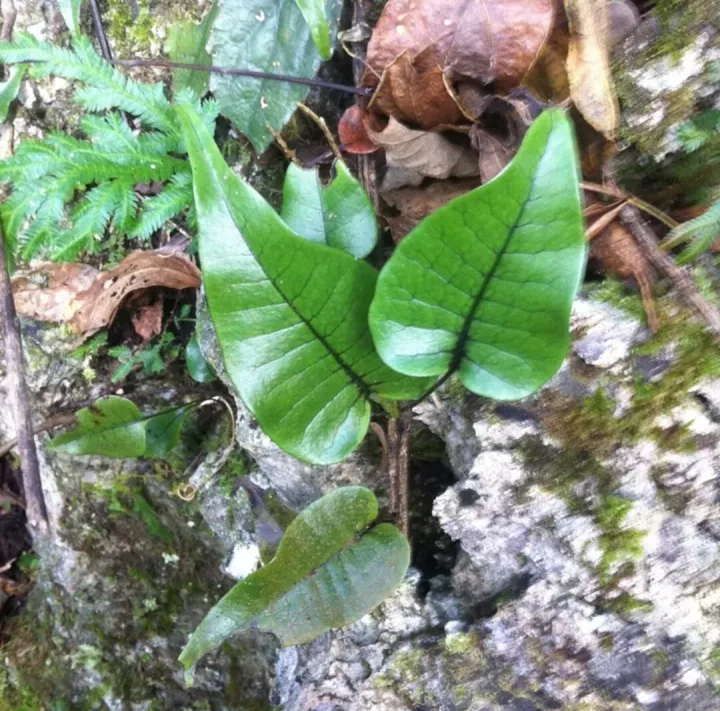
[(460, 351), (356, 379)]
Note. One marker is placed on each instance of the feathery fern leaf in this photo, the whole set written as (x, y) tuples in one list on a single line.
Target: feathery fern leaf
[(67, 191), (176, 197), (700, 233)]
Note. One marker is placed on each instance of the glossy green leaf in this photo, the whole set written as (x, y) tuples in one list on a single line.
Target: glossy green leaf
[(186, 43), (268, 36), (70, 10), (314, 13), (290, 315), (9, 89), (340, 214), (325, 575), (162, 431), (199, 369), (484, 286), (112, 427)]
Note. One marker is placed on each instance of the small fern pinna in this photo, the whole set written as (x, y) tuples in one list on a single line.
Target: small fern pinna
[(68, 192)]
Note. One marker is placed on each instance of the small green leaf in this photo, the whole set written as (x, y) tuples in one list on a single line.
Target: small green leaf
[(112, 427), (9, 89), (290, 315), (162, 432), (484, 286), (186, 43), (340, 214), (199, 369), (326, 574), (70, 10), (267, 36), (314, 13)]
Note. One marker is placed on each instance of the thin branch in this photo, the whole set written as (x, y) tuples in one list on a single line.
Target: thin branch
[(17, 387), (322, 125), (100, 32), (679, 276), (9, 13), (248, 73), (51, 424)]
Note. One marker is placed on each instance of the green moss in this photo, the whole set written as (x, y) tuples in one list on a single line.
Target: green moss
[(130, 31), (617, 543), (614, 292)]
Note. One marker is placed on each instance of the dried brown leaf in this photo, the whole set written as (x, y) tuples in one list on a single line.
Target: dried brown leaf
[(618, 253), (415, 204), (548, 77), (352, 131), (425, 154), (139, 270), (415, 90), (494, 154), (588, 64), (147, 320), (49, 292), (491, 41)]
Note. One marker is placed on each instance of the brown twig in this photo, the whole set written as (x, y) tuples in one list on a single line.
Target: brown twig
[(247, 73), (322, 125), (367, 169), (51, 424), (9, 13), (100, 32), (17, 387), (679, 276), (398, 457)]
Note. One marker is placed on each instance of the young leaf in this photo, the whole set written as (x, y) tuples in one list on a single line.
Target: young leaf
[(267, 36), (290, 315), (162, 432), (324, 576), (187, 43), (314, 13), (9, 90), (339, 214), (70, 10), (112, 427), (484, 286), (197, 366)]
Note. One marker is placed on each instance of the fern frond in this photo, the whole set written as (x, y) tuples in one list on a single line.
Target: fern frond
[(156, 211), (126, 210), (106, 87), (700, 233), (44, 227)]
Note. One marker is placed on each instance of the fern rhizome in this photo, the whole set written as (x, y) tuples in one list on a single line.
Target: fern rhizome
[(68, 192)]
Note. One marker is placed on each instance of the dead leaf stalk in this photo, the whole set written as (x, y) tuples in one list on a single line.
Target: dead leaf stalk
[(679, 276), (20, 399)]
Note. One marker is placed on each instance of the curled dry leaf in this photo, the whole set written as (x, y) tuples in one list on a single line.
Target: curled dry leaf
[(353, 132), (494, 154), (50, 291), (588, 64), (492, 41), (415, 204), (425, 154), (147, 320), (88, 300), (414, 89), (140, 270), (617, 253)]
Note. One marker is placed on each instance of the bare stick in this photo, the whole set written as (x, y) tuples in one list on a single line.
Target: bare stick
[(322, 125), (51, 424), (678, 275), (398, 457), (248, 73), (17, 386), (100, 32), (9, 13)]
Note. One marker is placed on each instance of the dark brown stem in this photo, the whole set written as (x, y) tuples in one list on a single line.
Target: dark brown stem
[(51, 424), (679, 276), (367, 170), (249, 73), (20, 399), (398, 457), (100, 32)]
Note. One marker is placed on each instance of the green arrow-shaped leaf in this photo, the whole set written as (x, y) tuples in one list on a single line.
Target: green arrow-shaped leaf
[(484, 286), (70, 10), (9, 89), (314, 13), (267, 36), (290, 315), (112, 427), (324, 576), (340, 214)]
